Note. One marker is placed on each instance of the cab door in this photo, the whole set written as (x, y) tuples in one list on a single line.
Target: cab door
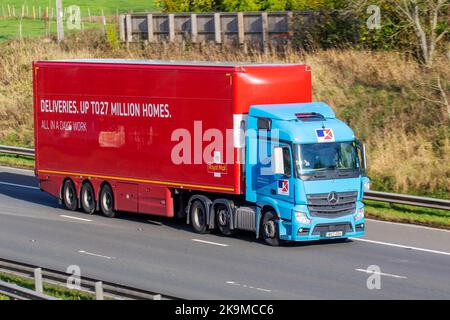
[(274, 185)]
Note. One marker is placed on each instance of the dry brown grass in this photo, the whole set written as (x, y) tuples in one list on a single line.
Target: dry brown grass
[(391, 102)]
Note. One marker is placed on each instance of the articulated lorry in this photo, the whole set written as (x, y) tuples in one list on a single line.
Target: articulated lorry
[(225, 146)]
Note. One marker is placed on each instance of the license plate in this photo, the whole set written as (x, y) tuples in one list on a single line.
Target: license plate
[(333, 234)]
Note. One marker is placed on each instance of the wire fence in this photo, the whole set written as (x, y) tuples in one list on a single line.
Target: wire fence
[(33, 20)]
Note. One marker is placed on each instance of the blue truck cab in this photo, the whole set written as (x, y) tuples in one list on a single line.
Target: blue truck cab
[(305, 171)]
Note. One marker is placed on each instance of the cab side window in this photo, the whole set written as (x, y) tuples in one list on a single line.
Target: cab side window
[(287, 161)]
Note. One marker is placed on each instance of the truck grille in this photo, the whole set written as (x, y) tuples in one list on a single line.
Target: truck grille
[(322, 229), (319, 206)]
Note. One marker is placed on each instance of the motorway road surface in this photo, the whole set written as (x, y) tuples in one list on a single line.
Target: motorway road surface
[(165, 256)]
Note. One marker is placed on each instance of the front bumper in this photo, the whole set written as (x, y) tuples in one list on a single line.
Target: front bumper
[(322, 228)]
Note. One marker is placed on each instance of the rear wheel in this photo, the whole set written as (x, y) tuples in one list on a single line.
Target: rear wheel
[(223, 220), (87, 198), (107, 202), (269, 230), (198, 217), (69, 195)]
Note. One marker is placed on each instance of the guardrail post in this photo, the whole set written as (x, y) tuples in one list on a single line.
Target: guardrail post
[(129, 30), (171, 27), (241, 31), (122, 27), (194, 30), (157, 297), (38, 286), (217, 28), (99, 290), (150, 32), (265, 30), (290, 24)]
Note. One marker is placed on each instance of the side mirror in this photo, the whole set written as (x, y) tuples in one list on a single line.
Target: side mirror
[(362, 152), (277, 161)]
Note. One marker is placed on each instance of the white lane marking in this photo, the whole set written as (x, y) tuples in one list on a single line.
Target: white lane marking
[(402, 246), (75, 218), (95, 254), (209, 242), (247, 286), (408, 225), (19, 185), (382, 273)]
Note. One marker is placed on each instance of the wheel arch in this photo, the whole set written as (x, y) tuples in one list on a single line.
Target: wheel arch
[(261, 211), (227, 203), (63, 182), (206, 202)]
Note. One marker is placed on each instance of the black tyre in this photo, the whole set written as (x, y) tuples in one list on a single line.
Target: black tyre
[(223, 220), (107, 202), (69, 195), (269, 229), (87, 198), (198, 217)]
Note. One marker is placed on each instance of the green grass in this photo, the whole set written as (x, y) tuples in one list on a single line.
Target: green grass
[(3, 297), (10, 26), (95, 6), (49, 289), (408, 214), (17, 161)]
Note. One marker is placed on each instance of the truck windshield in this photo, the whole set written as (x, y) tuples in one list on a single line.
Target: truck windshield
[(314, 157)]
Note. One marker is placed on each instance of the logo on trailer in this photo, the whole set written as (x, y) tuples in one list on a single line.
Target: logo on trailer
[(325, 135), (332, 198), (283, 187)]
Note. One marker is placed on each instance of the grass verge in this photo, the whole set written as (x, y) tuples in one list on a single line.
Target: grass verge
[(408, 214), (49, 289), (17, 161)]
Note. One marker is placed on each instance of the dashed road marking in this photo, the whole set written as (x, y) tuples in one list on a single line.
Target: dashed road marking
[(210, 242), (75, 218), (381, 273), (233, 283), (95, 254)]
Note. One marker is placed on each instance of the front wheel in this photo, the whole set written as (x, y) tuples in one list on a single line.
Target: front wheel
[(107, 202), (269, 230)]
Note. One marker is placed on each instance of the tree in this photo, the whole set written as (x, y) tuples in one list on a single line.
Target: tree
[(427, 18), (189, 5), (241, 5)]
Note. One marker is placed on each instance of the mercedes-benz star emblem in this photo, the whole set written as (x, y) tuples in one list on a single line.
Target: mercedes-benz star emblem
[(333, 197)]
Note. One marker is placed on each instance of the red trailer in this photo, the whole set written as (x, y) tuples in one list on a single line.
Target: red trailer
[(106, 130)]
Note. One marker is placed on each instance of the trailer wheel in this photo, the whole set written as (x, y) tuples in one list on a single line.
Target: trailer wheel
[(223, 220), (69, 195), (107, 202), (198, 217), (87, 198), (269, 229)]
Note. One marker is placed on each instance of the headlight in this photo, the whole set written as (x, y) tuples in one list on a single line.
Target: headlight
[(359, 214), (302, 218)]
